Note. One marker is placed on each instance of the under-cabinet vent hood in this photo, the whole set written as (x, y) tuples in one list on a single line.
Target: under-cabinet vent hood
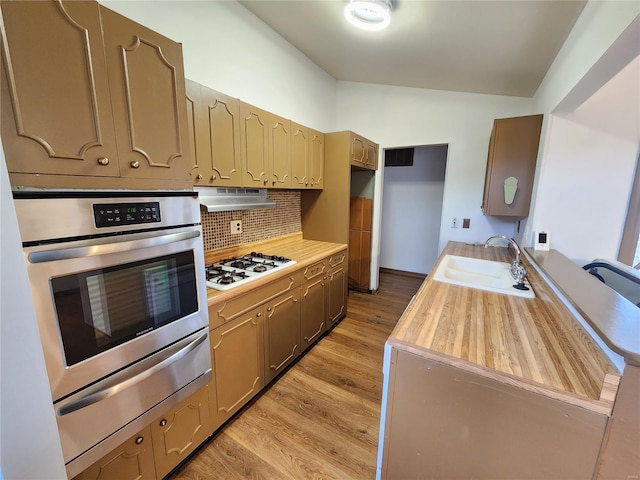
[(223, 199)]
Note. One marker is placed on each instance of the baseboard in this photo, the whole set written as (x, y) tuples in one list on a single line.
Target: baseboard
[(402, 273)]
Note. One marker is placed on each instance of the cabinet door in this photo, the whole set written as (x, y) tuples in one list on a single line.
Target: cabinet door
[(222, 137), (194, 127), (177, 433), (279, 152), (313, 304), (513, 150), (146, 78), (282, 328), (358, 152), (336, 288), (300, 152), (316, 159), (133, 460), (254, 137), (372, 155), (237, 354), (56, 107)]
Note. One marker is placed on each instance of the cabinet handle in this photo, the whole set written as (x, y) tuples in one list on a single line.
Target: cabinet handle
[(163, 422), (135, 164), (139, 440), (103, 161), (258, 314), (199, 177)]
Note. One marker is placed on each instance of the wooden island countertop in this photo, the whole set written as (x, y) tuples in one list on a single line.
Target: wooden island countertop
[(293, 246), (534, 344)]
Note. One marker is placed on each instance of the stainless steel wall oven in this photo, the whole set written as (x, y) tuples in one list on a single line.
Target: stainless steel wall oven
[(119, 291)]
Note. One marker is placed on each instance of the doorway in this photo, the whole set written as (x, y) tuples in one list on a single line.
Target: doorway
[(412, 197)]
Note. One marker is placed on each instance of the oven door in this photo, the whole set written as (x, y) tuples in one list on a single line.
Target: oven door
[(104, 304)]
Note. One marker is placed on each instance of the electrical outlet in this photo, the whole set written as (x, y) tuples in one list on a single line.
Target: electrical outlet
[(454, 222), (236, 227)]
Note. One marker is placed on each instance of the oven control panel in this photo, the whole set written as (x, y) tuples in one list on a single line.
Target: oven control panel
[(115, 214)]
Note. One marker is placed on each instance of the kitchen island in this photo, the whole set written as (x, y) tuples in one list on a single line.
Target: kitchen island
[(487, 385)]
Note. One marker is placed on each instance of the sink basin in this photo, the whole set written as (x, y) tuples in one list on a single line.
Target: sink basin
[(481, 274)]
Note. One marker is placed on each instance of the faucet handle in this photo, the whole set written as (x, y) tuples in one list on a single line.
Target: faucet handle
[(520, 274)]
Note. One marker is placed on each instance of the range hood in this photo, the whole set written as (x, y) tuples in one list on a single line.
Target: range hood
[(226, 199)]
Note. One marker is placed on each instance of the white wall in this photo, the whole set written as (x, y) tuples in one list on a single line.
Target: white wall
[(590, 134), (227, 48), (412, 210), (590, 158), (29, 447)]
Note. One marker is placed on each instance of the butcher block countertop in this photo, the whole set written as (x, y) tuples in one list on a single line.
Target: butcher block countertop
[(293, 246), (535, 344)]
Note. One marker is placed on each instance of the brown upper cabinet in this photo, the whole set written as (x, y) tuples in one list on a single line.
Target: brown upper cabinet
[(307, 157), (96, 99), (265, 148), (214, 134), (511, 165), (364, 153)]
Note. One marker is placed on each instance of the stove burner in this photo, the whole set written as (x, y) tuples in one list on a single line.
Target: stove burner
[(226, 279), (239, 264), (259, 268)]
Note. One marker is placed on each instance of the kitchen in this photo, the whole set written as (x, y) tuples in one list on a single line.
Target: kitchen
[(239, 39)]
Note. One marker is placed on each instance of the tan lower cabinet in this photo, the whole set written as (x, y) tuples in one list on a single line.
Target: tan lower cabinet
[(237, 354), (336, 288), (133, 460), (282, 333), (313, 304), (180, 431)]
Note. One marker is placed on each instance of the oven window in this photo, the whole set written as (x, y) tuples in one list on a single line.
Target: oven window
[(100, 309)]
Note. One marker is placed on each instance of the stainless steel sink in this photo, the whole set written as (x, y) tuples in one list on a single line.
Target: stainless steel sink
[(485, 275)]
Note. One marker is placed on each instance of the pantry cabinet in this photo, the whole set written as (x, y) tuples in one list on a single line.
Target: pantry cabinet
[(307, 157), (108, 113), (133, 460), (214, 134), (237, 355), (511, 165), (180, 431)]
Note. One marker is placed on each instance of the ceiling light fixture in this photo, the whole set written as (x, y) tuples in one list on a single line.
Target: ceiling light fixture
[(369, 14)]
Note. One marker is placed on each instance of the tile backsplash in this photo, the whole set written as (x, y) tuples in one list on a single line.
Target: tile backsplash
[(257, 225)]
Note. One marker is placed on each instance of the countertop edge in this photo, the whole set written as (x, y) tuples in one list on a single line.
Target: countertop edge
[(603, 406), (612, 316)]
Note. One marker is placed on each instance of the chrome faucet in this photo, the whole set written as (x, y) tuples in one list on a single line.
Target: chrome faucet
[(517, 270)]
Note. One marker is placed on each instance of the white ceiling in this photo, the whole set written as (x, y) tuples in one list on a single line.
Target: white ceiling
[(495, 47)]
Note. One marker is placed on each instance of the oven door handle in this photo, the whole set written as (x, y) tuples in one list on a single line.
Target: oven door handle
[(142, 371), (115, 246)]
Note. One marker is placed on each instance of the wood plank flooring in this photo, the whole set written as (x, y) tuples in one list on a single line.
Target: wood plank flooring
[(320, 419)]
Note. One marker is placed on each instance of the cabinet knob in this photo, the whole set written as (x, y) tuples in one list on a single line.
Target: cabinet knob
[(269, 309), (258, 314), (199, 177), (163, 422), (135, 164), (103, 161), (213, 177), (139, 440), (266, 181)]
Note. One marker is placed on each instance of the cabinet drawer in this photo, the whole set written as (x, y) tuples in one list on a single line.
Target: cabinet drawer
[(314, 270), (337, 259), (223, 312)]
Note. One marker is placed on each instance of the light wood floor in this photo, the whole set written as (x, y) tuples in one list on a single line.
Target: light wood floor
[(320, 419)]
